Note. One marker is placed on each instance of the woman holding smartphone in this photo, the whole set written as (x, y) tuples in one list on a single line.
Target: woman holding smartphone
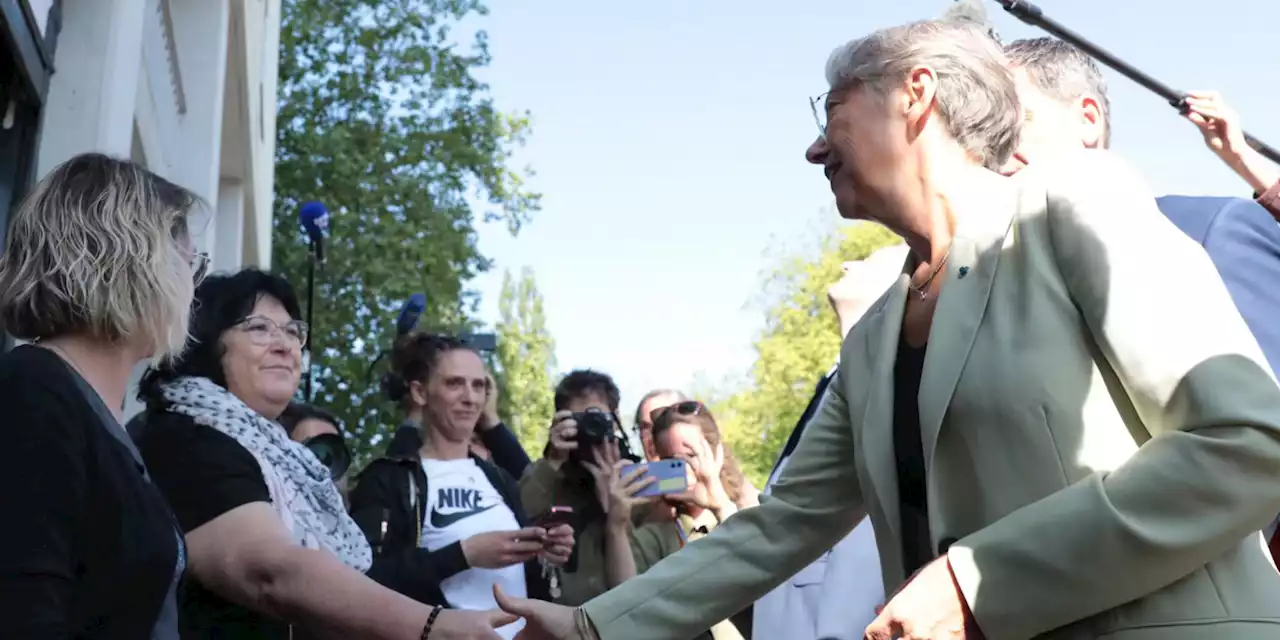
[(445, 525), (713, 492)]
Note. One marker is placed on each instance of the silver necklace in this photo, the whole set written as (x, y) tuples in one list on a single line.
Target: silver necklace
[(923, 289)]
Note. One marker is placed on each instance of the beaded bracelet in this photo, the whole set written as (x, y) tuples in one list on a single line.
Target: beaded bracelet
[(431, 620)]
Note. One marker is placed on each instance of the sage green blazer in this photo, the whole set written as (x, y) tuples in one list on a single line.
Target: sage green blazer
[(1101, 434)]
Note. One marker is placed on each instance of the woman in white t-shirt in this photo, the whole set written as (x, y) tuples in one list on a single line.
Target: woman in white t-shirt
[(448, 525)]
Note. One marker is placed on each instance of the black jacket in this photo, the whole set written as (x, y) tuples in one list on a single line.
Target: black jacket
[(502, 443), (389, 503), (88, 546), (794, 439)]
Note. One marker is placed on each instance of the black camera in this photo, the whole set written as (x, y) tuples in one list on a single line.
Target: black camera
[(331, 450), (596, 427)]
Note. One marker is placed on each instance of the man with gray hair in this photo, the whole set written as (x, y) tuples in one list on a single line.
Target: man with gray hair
[(651, 402), (1066, 108), (1064, 99)]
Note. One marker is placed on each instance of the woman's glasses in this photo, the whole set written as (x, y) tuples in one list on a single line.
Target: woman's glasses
[(819, 108), (199, 267), (686, 408), (263, 330)]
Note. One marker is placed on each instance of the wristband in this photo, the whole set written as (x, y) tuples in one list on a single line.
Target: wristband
[(431, 620)]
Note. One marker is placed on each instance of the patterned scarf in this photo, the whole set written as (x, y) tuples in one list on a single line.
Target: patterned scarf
[(301, 489)]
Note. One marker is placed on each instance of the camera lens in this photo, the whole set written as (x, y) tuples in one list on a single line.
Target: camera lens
[(332, 452)]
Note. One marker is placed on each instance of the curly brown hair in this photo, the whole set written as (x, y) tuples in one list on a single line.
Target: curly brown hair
[(695, 413), (412, 359)]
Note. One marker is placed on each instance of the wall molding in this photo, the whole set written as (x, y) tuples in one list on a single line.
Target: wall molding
[(171, 49)]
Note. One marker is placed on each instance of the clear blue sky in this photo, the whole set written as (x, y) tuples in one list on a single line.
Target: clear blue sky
[(669, 135)]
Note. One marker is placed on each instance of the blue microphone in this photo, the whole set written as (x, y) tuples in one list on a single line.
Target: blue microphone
[(410, 313), (315, 220)]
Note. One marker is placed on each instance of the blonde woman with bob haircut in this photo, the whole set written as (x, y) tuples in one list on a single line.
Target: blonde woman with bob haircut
[(97, 273)]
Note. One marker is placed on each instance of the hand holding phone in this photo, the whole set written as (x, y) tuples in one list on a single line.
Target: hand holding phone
[(498, 549), (558, 544), (668, 477), (554, 517)]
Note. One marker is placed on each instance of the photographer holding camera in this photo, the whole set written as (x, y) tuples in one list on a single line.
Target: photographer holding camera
[(321, 433), (586, 420)]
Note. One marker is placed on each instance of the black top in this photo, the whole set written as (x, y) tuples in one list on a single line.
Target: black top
[(909, 451), (205, 473), (88, 547)]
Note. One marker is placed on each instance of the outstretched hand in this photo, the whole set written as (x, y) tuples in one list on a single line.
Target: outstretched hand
[(471, 625), (542, 620), (929, 606)]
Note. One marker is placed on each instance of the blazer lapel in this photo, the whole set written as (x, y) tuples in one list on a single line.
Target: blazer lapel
[(971, 270), (877, 419)]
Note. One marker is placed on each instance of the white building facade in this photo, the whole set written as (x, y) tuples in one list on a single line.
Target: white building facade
[(185, 87)]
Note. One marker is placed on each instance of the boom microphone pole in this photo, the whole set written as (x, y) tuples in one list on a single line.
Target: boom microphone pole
[(1032, 15), (315, 220)]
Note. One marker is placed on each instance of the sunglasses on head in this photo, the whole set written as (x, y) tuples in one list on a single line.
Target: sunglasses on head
[(686, 408)]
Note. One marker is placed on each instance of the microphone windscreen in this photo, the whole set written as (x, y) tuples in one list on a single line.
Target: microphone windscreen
[(410, 313), (314, 216), (973, 11)]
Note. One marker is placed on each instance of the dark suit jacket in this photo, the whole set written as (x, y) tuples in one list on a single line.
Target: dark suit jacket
[(794, 438), (1243, 241)]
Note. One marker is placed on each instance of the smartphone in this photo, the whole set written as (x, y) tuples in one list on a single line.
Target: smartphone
[(554, 517), (670, 475)]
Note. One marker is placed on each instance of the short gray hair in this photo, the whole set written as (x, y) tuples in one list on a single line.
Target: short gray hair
[(680, 397), (96, 249), (977, 97), (1063, 72)]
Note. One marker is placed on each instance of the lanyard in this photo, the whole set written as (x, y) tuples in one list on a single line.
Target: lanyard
[(684, 537)]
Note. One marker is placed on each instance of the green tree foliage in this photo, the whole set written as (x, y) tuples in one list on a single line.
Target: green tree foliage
[(525, 362), (381, 118), (799, 343)]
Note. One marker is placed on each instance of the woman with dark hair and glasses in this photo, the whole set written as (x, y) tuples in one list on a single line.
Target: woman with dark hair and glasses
[(273, 553), (684, 431)]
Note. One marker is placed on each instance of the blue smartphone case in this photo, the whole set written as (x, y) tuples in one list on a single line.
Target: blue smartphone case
[(670, 476)]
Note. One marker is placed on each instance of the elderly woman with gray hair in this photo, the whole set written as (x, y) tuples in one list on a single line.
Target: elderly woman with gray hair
[(1056, 420)]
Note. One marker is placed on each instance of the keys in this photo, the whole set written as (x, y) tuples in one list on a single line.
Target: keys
[(551, 574)]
